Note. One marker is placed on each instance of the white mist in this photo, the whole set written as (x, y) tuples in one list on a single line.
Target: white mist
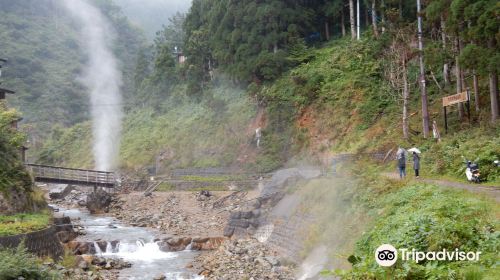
[(102, 78)]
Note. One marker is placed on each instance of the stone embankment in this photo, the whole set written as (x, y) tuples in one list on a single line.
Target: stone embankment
[(271, 217), (42, 243)]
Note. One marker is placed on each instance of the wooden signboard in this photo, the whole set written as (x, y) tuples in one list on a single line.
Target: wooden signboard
[(455, 98)]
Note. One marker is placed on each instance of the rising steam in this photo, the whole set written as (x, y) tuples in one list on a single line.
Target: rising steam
[(103, 79)]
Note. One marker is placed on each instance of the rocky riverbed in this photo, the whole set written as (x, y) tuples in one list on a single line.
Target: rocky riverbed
[(180, 213), (242, 259), (183, 220)]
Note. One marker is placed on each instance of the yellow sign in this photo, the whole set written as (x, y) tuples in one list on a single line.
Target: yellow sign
[(455, 98)]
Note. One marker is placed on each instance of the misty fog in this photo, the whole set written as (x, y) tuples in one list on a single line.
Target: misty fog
[(150, 15)]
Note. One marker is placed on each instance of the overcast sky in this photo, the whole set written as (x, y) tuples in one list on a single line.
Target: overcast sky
[(152, 14)]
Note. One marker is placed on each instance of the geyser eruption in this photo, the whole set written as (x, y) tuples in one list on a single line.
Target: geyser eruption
[(103, 79)]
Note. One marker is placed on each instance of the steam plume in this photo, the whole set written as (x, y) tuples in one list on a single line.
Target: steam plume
[(103, 79)]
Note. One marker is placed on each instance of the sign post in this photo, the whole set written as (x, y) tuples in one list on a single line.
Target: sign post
[(455, 99)]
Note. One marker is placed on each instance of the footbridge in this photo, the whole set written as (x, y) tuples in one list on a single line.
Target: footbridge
[(75, 176)]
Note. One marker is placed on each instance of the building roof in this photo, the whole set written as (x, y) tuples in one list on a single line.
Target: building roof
[(4, 90)]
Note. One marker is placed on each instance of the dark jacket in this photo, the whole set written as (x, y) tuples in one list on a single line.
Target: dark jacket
[(416, 161), (401, 160)]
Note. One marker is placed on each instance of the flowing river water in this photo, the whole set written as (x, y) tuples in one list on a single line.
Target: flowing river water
[(136, 245)]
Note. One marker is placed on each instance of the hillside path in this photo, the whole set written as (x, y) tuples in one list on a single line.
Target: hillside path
[(492, 192)]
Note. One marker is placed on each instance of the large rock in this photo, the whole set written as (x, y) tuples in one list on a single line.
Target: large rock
[(174, 244), (60, 191), (98, 202)]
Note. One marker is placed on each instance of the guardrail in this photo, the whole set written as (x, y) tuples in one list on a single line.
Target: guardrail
[(64, 175)]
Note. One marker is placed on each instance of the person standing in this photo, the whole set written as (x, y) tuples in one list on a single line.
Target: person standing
[(401, 158), (416, 164)]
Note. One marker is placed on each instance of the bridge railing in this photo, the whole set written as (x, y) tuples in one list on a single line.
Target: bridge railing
[(45, 173)]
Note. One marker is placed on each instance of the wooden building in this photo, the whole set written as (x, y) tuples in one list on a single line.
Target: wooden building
[(4, 91)]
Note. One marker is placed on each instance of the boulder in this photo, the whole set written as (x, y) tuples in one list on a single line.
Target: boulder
[(98, 202), (160, 277)]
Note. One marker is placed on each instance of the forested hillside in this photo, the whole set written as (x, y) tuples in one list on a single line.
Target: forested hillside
[(45, 61), (323, 90)]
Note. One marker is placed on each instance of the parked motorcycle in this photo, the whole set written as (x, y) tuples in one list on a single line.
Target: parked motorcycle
[(472, 172)]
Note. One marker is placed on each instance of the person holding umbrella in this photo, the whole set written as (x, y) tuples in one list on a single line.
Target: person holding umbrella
[(416, 160)]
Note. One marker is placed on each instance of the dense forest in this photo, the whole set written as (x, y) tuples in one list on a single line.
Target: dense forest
[(256, 42), (303, 60), (45, 60)]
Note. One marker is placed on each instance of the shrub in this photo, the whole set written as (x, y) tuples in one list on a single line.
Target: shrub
[(17, 262), (428, 218)]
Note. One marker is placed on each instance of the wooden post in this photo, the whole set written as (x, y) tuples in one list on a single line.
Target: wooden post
[(468, 105), (445, 121)]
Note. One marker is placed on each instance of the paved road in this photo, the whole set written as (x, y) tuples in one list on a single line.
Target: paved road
[(492, 192)]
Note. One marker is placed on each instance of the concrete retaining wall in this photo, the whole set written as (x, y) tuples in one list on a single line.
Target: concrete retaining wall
[(42, 243)]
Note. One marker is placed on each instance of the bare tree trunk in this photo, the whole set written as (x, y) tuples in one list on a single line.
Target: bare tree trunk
[(494, 95), (374, 19), (327, 31), (493, 81), (358, 21), (475, 83), (458, 74), (400, 8), (423, 89), (446, 74), (342, 22), (382, 14), (406, 98), (351, 19), (367, 17)]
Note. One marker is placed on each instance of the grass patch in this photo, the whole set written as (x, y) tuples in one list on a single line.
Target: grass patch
[(214, 188), (429, 218), (219, 178), (165, 187), (69, 259), (17, 263), (23, 222)]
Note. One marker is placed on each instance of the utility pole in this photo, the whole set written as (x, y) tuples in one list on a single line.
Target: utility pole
[(357, 20), (423, 90)]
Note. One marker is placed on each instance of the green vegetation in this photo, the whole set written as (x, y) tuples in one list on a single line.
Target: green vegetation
[(182, 134), (44, 56), (17, 262), (216, 178), (12, 172), (23, 222), (69, 259), (16, 188), (330, 87), (479, 145), (165, 187), (215, 188), (434, 219), (358, 215)]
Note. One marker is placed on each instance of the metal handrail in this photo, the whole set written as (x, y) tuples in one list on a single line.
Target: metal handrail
[(71, 174)]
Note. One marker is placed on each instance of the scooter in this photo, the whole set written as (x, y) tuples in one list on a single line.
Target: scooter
[(472, 172)]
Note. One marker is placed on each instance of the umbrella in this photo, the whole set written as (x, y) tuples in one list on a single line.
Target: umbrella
[(414, 149)]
